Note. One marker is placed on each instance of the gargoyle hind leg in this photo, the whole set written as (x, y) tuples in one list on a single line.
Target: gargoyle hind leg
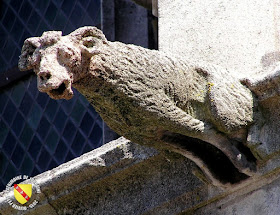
[(182, 123)]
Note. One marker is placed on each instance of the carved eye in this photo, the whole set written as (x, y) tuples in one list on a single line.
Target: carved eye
[(65, 53), (89, 42), (31, 50), (68, 56)]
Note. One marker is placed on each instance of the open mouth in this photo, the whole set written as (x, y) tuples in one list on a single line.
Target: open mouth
[(63, 91), (60, 90)]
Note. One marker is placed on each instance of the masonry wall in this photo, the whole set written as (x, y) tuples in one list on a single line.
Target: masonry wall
[(242, 37)]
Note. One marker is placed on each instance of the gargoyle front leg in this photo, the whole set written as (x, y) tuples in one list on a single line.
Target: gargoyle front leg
[(182, 123)]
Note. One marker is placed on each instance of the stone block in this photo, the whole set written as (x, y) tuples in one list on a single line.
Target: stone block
[(242, 36)]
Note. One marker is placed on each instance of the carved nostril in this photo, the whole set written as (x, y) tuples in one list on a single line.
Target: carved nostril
[(45, 76), (48, 76)]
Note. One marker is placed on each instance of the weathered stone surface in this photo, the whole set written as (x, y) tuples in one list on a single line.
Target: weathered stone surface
[(125, 178), (263, 138), (146, 95), (194, 31), (70, 181), (262, 198), (241, 35)]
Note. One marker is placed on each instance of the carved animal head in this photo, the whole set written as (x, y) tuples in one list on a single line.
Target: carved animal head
[(58, 60)]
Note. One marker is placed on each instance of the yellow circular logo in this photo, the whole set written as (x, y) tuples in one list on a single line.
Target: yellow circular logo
[(23, 192)]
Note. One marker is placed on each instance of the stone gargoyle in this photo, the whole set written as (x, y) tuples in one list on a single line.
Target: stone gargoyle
[(148, 96)]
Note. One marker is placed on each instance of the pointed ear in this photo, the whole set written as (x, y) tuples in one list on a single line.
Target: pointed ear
[(25, 59), (91, 39)]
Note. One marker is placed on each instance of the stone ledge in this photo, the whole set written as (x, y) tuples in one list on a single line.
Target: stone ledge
[(125, 178), (118, 178), (76, 174)]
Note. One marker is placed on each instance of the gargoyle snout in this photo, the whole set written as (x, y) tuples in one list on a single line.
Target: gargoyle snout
[(56, 83)]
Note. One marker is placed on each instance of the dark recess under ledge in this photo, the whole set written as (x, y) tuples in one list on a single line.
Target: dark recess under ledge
[(215, 160)]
